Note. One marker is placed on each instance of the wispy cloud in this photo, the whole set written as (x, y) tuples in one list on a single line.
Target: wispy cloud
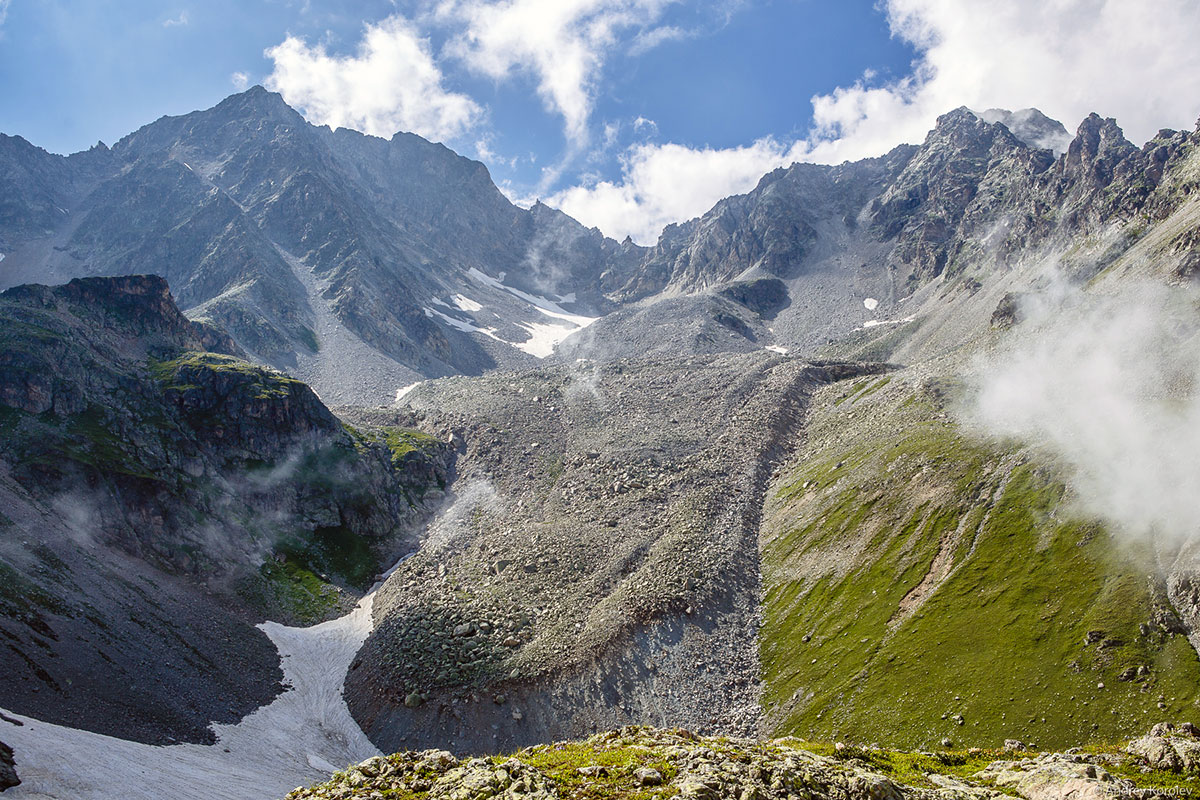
[(240, 80), (178, 21), (3, 11), (647, 40), (392, 83), (1107, 383)]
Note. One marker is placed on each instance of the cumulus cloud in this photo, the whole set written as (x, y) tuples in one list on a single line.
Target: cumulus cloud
[(667, 183), (391, 84), (1108, 383), (1136, 61), (562, 44)]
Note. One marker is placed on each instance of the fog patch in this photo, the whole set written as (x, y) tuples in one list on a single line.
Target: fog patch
[(1108, 383), (474, 502)]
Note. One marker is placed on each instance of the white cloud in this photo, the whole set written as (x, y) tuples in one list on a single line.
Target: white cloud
[(643, 122), (1138, 62), (3, 11), (668, 183), (391, 84), (240, 80), (561, 43), (1107, 383), (647, 40), (178, 21)]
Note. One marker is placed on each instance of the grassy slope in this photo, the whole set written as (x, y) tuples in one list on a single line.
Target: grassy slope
[(885, 484)]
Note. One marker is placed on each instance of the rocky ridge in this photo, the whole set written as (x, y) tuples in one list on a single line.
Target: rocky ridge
[(646, 763), (361, 265)]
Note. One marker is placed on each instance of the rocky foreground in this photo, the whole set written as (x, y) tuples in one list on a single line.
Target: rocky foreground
[(636, 762)]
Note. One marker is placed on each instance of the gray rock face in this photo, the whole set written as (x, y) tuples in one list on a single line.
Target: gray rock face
[(1057, 776), (362, 265), (268, 226), (764, 296)]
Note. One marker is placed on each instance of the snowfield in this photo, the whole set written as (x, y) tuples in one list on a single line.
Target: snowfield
[(303, 735)]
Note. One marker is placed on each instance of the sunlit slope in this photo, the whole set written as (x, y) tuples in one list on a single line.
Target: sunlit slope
[(921, 584)]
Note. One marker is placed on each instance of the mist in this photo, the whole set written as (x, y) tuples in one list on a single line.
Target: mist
[(1107, 383)]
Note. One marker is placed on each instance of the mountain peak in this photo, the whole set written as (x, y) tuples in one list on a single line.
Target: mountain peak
[(258, 101), (1098, 139), (1032, 127), (964, 130)]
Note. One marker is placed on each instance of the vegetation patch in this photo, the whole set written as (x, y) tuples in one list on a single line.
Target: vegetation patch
[(334, 552), (179, 374), (291, 588), (402, 441), (921, 586)]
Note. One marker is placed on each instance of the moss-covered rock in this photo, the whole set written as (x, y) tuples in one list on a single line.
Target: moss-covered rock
[(636, 763)]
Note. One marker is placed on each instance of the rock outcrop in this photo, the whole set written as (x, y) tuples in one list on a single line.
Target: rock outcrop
[(8, 768), (1168, 749), (644, 762), (1057, 776), (628, 763), (160, 498)]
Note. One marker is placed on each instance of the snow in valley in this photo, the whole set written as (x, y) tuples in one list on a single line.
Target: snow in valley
[(301, 737)]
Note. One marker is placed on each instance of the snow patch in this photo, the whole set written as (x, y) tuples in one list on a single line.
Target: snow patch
[(543, 338), (871, 303), (296, 739), (874, 323), (1, 256), (547, 307), (774, 348), (405, 390), (461, 325), (465, 303)]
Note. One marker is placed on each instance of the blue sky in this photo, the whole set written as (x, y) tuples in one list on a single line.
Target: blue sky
[(76, 72), (627, 113)]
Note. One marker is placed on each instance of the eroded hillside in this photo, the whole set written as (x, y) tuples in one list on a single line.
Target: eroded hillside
[(600, 563)]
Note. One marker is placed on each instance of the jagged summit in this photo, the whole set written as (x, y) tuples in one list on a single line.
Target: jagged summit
[(1032, 127), (720, 481), (364, 264)]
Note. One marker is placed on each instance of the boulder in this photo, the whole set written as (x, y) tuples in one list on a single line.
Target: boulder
[(1167, 748), (8, 768), (1055, 776)]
